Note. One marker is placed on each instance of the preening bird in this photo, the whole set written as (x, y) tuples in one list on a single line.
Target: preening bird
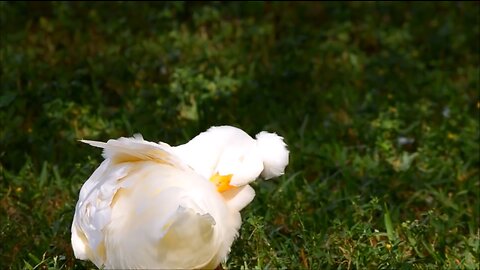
[(152, 205)]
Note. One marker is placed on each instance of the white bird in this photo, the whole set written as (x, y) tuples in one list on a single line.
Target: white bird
[(151, 205)]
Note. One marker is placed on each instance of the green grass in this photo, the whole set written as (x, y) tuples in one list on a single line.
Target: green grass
[(378, 102)]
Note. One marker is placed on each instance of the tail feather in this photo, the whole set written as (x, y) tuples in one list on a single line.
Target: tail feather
[(136, 149)]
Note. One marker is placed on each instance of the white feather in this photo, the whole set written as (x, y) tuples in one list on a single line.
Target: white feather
[(224, 150), (274, 154), (240, 197), (151, 205)]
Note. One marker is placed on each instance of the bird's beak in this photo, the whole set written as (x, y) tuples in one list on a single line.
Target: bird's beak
[(222, 182)]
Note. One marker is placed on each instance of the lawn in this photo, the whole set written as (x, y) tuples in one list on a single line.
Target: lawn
[(378, 102)]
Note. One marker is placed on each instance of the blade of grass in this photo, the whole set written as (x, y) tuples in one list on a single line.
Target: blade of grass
[(388, 224)]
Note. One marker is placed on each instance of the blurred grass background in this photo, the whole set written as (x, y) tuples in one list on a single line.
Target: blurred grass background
[(378, 102)]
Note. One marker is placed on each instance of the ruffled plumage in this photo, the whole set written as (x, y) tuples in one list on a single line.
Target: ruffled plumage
[(151, 205)]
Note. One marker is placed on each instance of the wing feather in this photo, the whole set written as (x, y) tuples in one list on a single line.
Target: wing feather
[(136, 149)]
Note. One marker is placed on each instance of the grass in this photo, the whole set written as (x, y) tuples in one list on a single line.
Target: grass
[(378, 102)]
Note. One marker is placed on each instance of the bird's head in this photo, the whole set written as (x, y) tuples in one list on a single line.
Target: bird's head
[(229, 156), (231, 159)]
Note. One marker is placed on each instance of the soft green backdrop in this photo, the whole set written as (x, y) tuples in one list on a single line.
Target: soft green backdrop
[(378, 102)]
